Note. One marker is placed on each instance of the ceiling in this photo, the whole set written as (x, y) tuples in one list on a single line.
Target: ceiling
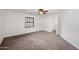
[(35, 11)]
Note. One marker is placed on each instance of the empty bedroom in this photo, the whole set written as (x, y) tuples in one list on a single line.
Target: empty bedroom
[(39, 29)]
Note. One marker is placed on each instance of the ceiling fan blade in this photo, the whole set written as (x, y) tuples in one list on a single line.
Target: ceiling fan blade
[(40, 9), (46, 11)]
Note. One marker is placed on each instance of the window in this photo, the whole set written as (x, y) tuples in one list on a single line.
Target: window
[(29, 22)]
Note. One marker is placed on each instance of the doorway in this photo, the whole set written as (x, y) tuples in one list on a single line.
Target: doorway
[(55, 23)]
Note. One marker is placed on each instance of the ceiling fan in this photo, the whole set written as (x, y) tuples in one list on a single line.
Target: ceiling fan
[(42, 11)]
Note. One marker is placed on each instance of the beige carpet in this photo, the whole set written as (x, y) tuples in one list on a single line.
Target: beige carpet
[(40, 40)]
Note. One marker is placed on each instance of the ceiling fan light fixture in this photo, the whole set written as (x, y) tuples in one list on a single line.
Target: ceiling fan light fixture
[(41, 12)]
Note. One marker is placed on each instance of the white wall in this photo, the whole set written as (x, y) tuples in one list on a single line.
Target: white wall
[(69, 21), (50, 22), (55, 22), (47, 23), (1, 27), (14, 24)]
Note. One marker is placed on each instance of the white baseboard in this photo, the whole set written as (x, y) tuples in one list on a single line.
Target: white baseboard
[(69, 41)]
